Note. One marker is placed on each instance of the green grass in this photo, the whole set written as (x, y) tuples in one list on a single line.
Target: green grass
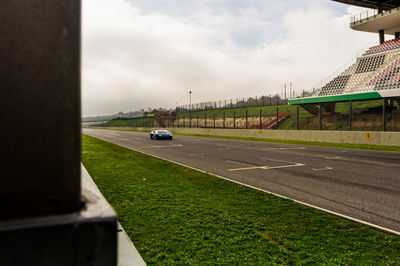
[(176, 215)]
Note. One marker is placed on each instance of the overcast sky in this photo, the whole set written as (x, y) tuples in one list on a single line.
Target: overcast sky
[(151, 53)]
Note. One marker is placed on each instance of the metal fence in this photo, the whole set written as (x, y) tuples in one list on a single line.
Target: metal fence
[(346, 116), (130, 122), (269, 100), (370, 115)]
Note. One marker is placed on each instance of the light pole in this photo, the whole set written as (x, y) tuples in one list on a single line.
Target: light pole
[(190, 100)]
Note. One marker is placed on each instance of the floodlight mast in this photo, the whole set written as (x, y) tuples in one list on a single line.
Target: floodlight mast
[(190, 100)]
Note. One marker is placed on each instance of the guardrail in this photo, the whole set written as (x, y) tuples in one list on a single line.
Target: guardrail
[(368, 14)]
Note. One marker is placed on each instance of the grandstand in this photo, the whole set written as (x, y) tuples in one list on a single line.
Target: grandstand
[(375, 74)]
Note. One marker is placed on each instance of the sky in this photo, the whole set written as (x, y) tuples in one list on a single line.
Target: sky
[(150, 53)]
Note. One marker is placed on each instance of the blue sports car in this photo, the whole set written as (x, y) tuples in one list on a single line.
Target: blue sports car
[(160, 134)]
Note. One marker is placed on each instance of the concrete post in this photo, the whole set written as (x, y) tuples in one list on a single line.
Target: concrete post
[(42, 218), (40, 107)]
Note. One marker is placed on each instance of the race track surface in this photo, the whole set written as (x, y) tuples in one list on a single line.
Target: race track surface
[(362, 184)]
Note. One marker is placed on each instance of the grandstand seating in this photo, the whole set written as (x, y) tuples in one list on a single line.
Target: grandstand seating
[(386, 46), (377, 69)]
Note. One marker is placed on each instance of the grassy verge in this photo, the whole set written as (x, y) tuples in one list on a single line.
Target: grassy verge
[(322, 144), (176, 215)]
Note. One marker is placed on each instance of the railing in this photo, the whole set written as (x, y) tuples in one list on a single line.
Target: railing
[(344, 66), (358, 116), (368, 14), (270, 100)]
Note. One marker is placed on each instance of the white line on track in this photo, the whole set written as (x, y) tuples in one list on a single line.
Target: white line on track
[(329, 157), (281, 196), (284, 148), (239, 163), (285, 166), (322, 169), (159, 146), (196, 154), (275, 160)]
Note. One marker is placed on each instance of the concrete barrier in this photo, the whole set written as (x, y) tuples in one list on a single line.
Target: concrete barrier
[(349, 137)]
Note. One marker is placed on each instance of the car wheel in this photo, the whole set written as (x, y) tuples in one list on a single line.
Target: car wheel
[(151, 137)]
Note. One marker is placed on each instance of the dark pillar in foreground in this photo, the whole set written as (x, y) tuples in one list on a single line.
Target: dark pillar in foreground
[(40, 108), (397, 35), (42, 220)]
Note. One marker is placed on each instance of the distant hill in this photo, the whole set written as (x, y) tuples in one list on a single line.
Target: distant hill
[(110, 117)]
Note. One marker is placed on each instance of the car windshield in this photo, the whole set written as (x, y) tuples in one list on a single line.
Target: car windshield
[(162, 132)]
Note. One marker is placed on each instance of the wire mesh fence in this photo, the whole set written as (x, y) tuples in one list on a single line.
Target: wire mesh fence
[(372, 115), (261, 101)]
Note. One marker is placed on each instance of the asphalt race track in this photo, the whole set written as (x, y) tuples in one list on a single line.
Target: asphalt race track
[(361, 184)]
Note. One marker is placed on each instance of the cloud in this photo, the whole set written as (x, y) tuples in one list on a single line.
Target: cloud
[(136, 59)]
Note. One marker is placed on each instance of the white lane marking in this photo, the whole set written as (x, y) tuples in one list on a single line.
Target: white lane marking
[(225, 148), (123, 139), (196, 154), (266, 167), (275, 160), (284, 148), (284, 166), (239, 163), (281, 196), (329, 157), (322, 169), (159, 146)]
